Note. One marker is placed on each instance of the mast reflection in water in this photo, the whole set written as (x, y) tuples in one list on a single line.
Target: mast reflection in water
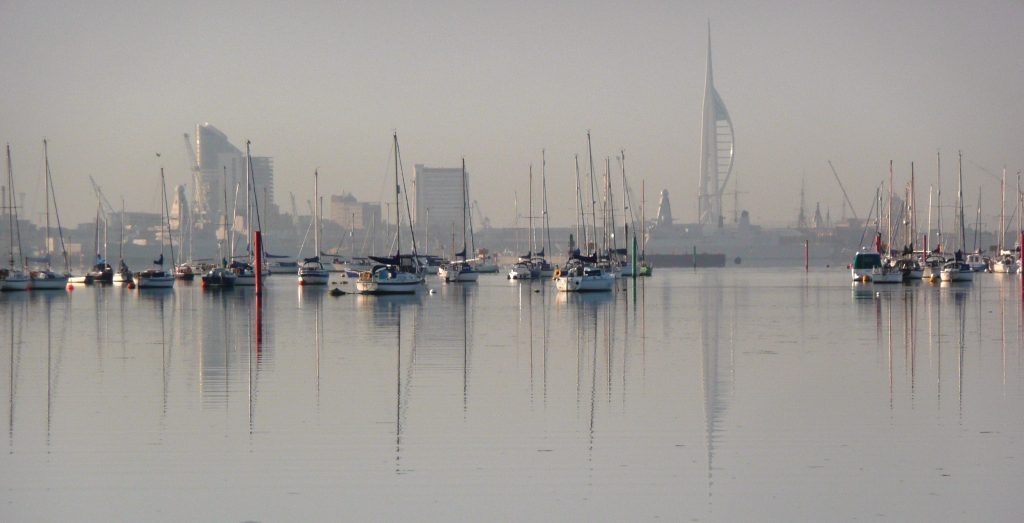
[(688, 395)]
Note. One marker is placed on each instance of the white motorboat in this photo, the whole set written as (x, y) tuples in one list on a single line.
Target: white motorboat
[(583, 279), (864, 263), (312, 272)]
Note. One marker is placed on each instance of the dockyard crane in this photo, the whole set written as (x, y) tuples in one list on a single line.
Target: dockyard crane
[(104, 204), (848, 202), (485, 221)]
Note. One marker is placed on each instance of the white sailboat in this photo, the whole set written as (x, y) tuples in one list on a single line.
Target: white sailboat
[(540, 263), (245, 274), (958, 270), (44, 278), (157, 277), (581, 278), (122, 276), (221, 277), (458, 269), (312, 272), (387, 277), (524, 268), (13, 278)]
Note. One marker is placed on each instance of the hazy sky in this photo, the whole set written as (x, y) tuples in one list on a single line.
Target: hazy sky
[(110, 83)]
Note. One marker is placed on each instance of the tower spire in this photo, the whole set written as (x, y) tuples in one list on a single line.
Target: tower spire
[(716, 151)]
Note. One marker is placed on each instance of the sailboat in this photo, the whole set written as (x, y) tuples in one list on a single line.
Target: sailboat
[(524, 269), (1004, 262), (123, 275), (157, 277), (13, 278), (641, 268), (221, 276), (539, 263), (958, 270), (388, 276), (458, 269), (44, 278), (312, 272), (101, 271), (244, 271)]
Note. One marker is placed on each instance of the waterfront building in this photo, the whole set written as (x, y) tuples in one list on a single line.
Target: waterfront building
[(439, 203)]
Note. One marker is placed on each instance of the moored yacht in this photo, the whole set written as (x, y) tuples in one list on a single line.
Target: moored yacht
[(387, 279), (581, 278)]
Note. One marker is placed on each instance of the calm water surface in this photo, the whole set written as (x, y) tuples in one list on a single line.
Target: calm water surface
[(718, 395)]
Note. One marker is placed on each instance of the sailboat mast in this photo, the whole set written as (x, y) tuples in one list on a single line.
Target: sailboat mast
[(912, 208), (248, 212), (960, 199), (643, 216), (1002, 212), (10, 204), (938, 196), (609, 203), (579, 204), (529, 219), (544, 202), (166, 214), (625, 198), (46, 177), (593, 196), (316, 215), (120, 246), (465, 209), (398, 212), (888, 217), (928, 232)]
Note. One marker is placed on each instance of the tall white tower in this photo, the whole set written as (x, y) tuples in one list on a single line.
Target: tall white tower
[(716, 144)]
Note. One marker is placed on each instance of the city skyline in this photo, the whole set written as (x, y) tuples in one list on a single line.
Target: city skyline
[(856, 84)]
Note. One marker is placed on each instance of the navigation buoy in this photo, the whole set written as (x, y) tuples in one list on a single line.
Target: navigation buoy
[(71, 287)]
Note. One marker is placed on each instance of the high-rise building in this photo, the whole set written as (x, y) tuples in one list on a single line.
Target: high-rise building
[(716, 156), (350, 213), (439, 200), (218, 159)]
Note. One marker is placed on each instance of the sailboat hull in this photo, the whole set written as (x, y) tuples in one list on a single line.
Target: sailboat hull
[(15, 281), (47, 281)]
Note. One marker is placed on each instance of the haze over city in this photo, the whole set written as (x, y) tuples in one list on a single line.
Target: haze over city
[(321, 85)]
